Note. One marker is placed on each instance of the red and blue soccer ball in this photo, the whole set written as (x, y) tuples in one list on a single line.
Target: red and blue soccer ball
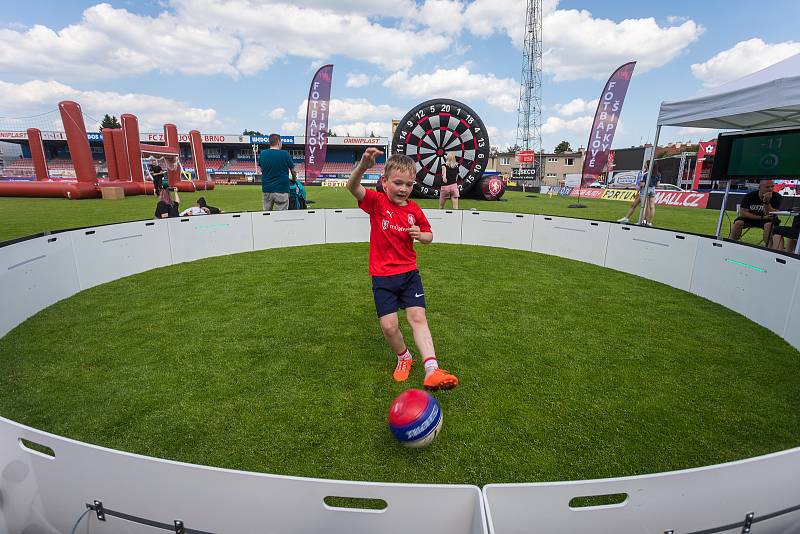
[(415, 418)]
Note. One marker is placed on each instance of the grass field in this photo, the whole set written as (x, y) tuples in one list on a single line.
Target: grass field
[(273, 361), (22, 217)]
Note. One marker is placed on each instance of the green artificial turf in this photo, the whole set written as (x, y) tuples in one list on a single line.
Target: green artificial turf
[(25, 216), (273, 361)]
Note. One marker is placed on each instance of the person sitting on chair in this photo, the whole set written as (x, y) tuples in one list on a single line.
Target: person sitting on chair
[(756, 209), (788, 232)]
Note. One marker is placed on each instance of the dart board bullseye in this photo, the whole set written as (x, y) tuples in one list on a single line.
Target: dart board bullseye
[(435, 128)]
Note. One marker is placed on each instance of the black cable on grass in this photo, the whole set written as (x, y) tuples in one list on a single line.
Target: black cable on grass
[(79, 520)]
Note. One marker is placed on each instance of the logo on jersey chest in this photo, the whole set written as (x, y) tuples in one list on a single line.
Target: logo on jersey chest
[(410, 220), (385, 224)]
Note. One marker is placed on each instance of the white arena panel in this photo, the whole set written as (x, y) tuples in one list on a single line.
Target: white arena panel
[(660, 255), (35, 274), (275, 229), (752, 281), (792, 329), (701, 500), (106, 253), (576, 239), (445, 225), (42, 493), (346, 226), (496, 229), (203, 236)]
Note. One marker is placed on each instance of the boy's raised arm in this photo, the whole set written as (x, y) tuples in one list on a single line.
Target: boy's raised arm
[(354, 182)]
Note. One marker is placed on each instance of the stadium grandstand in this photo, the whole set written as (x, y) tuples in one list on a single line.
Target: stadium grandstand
[(229, 158)]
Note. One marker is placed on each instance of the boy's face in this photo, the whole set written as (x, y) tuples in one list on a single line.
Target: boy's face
[(398, 186)]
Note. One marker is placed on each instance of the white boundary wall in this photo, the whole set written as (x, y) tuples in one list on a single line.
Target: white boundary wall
[(42, 494)]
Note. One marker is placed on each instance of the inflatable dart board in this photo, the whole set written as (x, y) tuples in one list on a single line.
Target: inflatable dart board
[(434, 128)]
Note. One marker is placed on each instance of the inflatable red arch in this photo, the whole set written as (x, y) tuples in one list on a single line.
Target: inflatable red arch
[(123, 152)]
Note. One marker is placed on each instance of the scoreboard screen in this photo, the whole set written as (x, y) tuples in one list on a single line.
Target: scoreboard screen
[(766, 154)]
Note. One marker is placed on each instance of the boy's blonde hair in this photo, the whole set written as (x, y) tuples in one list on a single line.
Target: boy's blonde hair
[(402, 163)]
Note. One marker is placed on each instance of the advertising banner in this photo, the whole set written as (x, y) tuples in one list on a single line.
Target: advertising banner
[(687, 199), (605, 123), (205, 138), (705, 160), (319, 96), (264, 139), (625, 195), (787, 188), (625, 180), (587, 192), (527, 173), (525, 156)]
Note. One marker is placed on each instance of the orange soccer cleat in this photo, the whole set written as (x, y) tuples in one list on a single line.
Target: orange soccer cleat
[(440, 379), (402, 369)]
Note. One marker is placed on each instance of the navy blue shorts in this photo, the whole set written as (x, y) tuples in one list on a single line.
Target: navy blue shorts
[(397, 291)]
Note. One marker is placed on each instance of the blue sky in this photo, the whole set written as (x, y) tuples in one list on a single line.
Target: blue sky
[(225, 66)]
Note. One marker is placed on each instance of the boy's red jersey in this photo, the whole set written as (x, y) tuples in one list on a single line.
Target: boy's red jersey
[(391, 248)]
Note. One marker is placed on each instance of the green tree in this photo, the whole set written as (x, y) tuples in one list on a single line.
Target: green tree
[(109, 121), (331, 133), (251, 132), (513, 149), (562, 147)]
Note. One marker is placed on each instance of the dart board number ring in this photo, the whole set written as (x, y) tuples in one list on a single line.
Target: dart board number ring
[(435, 128)]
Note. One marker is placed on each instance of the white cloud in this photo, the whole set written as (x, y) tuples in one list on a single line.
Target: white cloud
[(695, 134), (110, 42), (577, 45), (284, 28), (358, 116), (578, 125), (744, 58), (677, 19), (292, 128), (238, 37), (276, 113), (575, 106), (382, 129), (502, 138), (356, 80), (153, 112), (383, 8), (352, 110), (442, 15), (457, 83), (487, 17)]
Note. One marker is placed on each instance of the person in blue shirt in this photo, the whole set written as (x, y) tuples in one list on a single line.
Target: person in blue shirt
[(276, 164)]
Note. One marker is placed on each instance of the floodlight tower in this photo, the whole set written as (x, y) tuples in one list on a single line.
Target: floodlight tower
[(529, 113)]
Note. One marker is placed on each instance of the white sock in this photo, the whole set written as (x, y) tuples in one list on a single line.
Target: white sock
[(405, 355), (430, 365)]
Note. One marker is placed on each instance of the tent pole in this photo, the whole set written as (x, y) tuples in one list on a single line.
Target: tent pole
[(643, 193), (722, 208), (797, 247)]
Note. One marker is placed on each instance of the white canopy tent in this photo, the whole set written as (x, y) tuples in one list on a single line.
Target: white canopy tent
[(769, 98)]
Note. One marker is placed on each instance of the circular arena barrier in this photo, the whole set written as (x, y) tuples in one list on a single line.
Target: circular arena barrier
[(47, 481)]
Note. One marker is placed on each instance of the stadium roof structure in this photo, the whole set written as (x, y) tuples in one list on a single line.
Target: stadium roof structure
[(769, 98)]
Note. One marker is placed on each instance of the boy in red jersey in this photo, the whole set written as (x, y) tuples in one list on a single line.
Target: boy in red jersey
[(395, 222)]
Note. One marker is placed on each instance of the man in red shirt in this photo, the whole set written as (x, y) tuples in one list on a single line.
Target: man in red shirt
[(395, 222)]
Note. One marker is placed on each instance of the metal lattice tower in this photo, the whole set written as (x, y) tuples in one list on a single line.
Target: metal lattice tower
[(529, 118)]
